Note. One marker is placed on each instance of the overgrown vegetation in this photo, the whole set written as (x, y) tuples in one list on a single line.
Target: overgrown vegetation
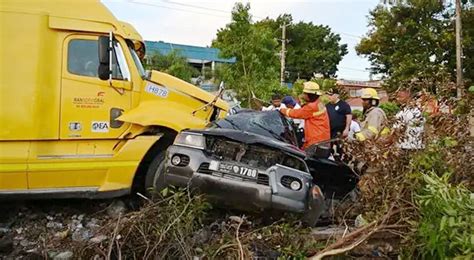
[(413, 41), (182, 226), (446, 225), (423, 192)]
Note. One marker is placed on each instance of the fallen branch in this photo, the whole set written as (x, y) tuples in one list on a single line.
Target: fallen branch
[(241, 250), (111, 244), (339, 248), (344, 249), (343, 240)]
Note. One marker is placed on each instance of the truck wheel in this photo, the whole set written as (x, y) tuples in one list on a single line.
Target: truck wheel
[(155, 176)]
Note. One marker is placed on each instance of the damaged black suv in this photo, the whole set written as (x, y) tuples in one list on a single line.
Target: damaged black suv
[(251, 160)]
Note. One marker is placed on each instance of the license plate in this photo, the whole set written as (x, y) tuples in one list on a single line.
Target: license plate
[(237, 170)]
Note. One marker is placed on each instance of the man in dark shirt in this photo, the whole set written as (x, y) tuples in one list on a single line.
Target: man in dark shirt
[(340, 114)]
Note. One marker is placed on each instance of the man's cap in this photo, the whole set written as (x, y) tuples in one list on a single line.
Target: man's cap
[(288, 100)]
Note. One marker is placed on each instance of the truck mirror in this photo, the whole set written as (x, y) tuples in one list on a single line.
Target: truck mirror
[(105, 55)]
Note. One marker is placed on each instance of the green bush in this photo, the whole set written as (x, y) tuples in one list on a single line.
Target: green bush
[(446, 227), (390, 108), (359, 114)]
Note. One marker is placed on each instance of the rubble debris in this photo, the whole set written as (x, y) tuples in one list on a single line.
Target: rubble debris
[(117, 208), (81, 235), (360, 221), (66, 255), (54, 225), (98, 239), (62, 234), (6, 244)]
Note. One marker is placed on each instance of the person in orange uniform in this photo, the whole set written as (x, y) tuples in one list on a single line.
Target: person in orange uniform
[(316, 120)]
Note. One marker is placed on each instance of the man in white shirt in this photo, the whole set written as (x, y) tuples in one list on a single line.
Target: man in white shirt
[(354, 127), (411, 117), (276, 104)]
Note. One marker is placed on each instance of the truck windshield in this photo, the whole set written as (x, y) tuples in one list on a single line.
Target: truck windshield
[(137, 61)]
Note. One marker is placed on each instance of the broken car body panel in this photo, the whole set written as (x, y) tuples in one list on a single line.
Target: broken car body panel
[(250, 161)]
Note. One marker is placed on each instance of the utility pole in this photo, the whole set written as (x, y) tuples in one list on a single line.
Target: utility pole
[(283, 54), (459, 81)]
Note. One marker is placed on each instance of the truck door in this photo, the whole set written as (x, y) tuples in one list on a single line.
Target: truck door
[(90, 105), (88, 129)]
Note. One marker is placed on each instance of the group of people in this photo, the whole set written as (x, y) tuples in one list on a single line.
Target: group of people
[(324, 124)]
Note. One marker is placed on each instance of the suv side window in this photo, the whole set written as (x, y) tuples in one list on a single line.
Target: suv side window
[(83, 59)]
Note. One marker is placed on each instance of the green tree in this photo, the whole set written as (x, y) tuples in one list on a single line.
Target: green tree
[(310, 48), (413, 44), (313, 49), (256, 69), (174, 64)]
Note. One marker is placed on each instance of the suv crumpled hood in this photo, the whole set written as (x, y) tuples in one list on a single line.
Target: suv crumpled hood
[(251, 138)]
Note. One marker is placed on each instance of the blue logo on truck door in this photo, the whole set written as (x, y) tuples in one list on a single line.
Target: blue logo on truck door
[(100, 127)]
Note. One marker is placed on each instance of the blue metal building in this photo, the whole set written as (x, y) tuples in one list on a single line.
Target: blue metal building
[(196, 56)]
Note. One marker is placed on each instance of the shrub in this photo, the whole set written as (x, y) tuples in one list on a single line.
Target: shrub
[(446, 227), (390, 108)]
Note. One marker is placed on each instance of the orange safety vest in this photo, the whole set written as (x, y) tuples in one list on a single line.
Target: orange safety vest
[(316, 122)]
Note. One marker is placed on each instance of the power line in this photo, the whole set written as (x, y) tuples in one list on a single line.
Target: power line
[(354, 69), (196, 6), (205, 8), (214, 10), (176, 9)]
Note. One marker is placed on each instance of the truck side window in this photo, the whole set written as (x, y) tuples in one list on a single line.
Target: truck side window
[(83, 59)]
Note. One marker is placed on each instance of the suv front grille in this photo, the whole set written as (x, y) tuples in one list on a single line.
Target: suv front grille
[(204, 168), (263, 179)]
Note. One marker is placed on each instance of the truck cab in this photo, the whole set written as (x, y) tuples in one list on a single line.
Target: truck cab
[(79, 115)]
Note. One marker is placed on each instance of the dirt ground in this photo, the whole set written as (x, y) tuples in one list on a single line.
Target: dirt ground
[(45, 228), (52, 229)]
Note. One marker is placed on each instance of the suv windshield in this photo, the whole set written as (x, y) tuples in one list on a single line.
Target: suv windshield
[(137, 61), (270, 124)]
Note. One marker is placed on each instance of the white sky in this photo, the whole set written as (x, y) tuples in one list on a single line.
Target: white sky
[(195, 22)]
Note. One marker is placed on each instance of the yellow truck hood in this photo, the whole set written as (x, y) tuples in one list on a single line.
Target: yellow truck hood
[(182, 86)]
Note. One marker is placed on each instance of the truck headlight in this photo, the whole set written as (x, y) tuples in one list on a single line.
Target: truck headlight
[(193, 140)]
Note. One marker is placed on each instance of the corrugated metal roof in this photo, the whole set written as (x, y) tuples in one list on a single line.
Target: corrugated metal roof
[(202, 54)]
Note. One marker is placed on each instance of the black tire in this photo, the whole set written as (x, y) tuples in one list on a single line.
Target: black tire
[(155, 176)]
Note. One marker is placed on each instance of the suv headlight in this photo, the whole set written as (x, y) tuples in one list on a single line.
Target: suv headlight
[(193, 140)]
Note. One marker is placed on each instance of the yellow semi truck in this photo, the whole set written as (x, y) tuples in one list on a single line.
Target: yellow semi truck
[(79, 116)]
